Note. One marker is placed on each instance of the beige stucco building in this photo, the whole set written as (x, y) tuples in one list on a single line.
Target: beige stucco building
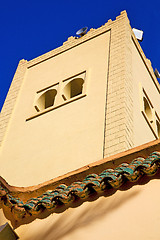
[(79, 141)]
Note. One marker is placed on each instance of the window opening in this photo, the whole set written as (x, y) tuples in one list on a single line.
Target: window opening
[(158, 128), (147, 109), (73, 88), (46, 100)]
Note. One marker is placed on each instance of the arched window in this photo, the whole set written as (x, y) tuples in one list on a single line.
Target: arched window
[(147, 109), (158, 128), (46, 100), (73, 88)]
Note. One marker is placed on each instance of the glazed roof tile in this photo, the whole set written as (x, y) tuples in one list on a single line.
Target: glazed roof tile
[(64, 195)]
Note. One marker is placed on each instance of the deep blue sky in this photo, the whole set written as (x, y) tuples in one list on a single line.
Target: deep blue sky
[(30, 28)]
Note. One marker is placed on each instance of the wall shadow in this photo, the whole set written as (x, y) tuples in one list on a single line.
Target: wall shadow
[(68, 222)]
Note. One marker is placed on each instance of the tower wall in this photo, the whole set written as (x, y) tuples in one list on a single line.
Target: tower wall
[(67, 135), (51, 126), (106, 118)]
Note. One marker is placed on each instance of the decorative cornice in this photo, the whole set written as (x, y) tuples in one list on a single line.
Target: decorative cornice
[(74, 41), (20, 212)]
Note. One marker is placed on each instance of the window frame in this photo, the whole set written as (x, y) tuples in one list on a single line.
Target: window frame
[(150, 121), (59, 100)]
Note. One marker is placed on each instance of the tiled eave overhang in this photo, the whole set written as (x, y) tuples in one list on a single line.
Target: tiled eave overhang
[(23, 205)]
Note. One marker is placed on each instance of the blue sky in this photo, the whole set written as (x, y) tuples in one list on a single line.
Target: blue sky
[(33, 27)]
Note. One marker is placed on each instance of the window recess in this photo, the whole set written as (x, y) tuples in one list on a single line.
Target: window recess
[(150, 114), (59, 94)]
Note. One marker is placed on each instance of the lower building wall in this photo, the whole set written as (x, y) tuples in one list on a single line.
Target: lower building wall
[(127, 214)]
